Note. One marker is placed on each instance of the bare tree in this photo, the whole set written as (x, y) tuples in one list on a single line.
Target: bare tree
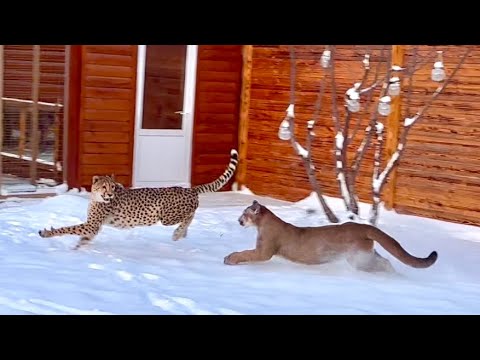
[(376, 106)]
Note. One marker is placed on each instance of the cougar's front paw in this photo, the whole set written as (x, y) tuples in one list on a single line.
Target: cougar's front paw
[(46, 233), (231, 259)]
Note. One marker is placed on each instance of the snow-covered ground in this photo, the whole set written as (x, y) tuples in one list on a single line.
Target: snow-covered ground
[(142, 271)]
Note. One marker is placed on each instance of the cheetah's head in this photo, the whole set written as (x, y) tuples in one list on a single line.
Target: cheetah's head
[(103, 188)]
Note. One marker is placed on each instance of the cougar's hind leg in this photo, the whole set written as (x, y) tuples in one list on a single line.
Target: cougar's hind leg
[(371, 262)]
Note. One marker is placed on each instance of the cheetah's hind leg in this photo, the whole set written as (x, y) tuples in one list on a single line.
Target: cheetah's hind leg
[(87, 231), (84, 241), (182, 229)]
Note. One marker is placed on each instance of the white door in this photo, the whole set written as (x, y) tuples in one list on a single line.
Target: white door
[(166, 77)]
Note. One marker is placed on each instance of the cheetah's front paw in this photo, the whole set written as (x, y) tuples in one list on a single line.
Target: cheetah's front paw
[(178, 234), (46, 233)]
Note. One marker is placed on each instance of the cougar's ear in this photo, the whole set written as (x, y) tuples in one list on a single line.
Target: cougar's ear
[(255, 207), (95, 178)]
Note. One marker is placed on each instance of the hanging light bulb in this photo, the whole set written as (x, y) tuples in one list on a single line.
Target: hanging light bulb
[(353, 105), (353, 101), (284, 132), (438, 72), (291, 110), (394, 86), (384, 107), (325, 59), (366, 61)]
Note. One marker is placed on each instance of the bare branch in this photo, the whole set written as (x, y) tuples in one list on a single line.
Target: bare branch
[(300, 151), (293, 75), (376, 167), (427, 59), (306, 157), (378, 150), (365, 142), (335, 115), (361, 151), (342, 141), (410, 80), (441, 87), (339, 139), (318, 104), (394, 160), (366, 67), (370, 90)]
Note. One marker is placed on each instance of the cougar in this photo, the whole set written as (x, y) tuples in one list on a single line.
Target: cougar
[(321, 244)]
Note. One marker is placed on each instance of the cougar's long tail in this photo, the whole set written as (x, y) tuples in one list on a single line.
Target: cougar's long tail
[(223, 179), (394, 248)]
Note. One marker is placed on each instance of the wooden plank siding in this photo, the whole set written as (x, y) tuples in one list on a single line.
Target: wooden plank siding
[(18, 72), (217, 107), (438, 175), (272, 167), (107, 112)]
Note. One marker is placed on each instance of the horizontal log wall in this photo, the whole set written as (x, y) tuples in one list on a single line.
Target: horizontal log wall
[(272, 166), (106, 124), (217, 109), (107, 111), (438, 176), (18, 72)]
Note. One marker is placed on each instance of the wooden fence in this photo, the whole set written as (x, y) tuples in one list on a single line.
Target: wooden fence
[(31, 115), (438, 174)]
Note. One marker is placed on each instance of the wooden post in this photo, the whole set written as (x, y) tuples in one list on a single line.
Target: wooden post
[(65, 113), (1, 113), (393, 128), (72, 99), (244, 109), (35, 94), (56, 147), (23, 132)]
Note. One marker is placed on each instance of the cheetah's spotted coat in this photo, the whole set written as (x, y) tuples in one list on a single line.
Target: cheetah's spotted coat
[(112, 204)]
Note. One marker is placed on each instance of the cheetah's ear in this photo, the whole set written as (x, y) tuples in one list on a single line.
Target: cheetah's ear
[(112, 177), (95, 178)]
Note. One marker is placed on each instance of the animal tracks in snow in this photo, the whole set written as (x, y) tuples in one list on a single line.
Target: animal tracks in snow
[(150, 276), (44, 307), (124, 275), (177, 305)]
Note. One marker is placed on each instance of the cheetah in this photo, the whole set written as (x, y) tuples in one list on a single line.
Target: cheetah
[(113, 204)]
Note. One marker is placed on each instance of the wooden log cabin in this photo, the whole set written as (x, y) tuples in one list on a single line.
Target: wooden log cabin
[(158, 115), (438, 176), (153, 115)]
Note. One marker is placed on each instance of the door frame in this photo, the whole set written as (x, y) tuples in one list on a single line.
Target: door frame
[(188, 109)]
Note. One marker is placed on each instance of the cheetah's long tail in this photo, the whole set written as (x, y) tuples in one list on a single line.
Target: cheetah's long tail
[(223, 179)]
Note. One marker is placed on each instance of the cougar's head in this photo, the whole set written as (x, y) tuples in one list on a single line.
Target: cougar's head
[(250, 215), (103, 188)]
